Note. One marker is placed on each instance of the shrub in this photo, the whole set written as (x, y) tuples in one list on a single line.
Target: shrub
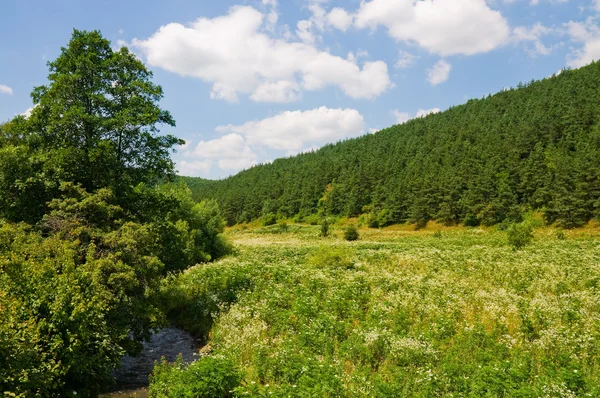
[(282, 227), (351, 234), (269, 219), (385, 217), (520, 235), (313, 219), (324, 228), (372, 221), (208, 377)]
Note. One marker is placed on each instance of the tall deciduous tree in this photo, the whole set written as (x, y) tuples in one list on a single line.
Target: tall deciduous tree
[(99, 117)]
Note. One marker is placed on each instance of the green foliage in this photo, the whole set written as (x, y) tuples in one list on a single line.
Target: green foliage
[(269, 219), (282, 227), (98, 117), (208, 377), (86, 232), (480, 163), (351, 233), (76, 297), (520, 235), (404, 315), (95, 124), (324, 228), (312, 219)]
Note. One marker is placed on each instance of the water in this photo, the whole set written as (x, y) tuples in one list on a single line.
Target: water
[(132, 377)]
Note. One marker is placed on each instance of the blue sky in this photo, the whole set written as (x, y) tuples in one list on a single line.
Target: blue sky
[(249, 81)]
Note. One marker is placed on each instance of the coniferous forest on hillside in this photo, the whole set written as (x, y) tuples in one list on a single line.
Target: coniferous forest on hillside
[(490, 160), (496, 293)]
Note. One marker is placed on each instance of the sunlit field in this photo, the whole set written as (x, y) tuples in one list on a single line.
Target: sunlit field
[(438, 312)]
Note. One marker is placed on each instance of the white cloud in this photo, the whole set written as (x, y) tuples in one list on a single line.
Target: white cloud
[(405, 59), (587, 34), (309, 30), (426, 112), (230, 151), (439, 73), (536, 2), (236, 55), (282, 91), (296, 130), (403, 117), (534, 36), (5, 89), (445, 27), (340, 19), (194, 168)]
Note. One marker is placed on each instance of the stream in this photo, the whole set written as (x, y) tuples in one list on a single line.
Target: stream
[(132, 377)]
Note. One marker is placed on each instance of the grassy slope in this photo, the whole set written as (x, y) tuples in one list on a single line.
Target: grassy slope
[(402, 313)]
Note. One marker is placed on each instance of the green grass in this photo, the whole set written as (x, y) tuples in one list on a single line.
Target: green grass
[(400, 313)]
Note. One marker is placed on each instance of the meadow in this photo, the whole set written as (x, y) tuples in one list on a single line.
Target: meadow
[(452, 312)]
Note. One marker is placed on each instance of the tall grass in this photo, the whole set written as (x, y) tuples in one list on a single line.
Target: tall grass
[(403, 314)]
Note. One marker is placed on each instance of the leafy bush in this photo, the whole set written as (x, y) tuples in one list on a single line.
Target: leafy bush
[(372, 220), (282, 227), (351, 233), (324, 228), (74, 301), (520, 235), (269, 219), (208, 377), (312, 219)]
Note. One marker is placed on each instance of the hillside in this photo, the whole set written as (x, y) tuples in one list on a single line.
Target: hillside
[(531, 148)]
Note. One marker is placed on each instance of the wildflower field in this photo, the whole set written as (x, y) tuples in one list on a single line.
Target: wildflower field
[(398, 313)]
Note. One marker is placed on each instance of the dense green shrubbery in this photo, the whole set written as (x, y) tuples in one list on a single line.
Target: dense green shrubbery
[(519, 235), (351, 233), (87, 232), (208, 377), (269, 219), (81, 290)]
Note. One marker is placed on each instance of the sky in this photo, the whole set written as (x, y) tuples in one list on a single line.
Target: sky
[(249, 81)]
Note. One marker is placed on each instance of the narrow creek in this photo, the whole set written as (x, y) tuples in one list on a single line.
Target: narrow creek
[(132, 377)]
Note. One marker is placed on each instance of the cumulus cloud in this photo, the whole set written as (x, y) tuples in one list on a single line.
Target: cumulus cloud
[(236, 55), (230, 151), (287, 133), (309, 30), (403, 117), (586, 34), (405, 59), (533, 35), (439, 73), (339, 19), (5, 89), (444, 27), (199, 168), (296, 130)]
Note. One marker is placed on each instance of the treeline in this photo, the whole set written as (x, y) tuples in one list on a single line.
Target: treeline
[(89, 225), (488, 161)]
